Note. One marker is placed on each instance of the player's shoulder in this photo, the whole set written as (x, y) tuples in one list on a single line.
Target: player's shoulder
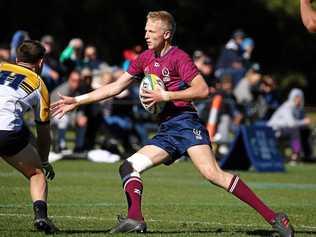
[(31, 78), (179, 52), (146, 54)]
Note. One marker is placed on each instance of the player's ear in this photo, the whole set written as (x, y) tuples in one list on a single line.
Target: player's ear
[(39, 66), (167, 35)]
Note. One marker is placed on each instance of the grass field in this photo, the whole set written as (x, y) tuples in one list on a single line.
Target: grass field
[(85, 198)]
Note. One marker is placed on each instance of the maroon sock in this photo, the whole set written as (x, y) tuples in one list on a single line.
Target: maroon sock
[(239, 189), (133, 188)]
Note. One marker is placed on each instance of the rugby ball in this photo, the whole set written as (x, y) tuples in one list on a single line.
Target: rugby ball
[(150, 82)]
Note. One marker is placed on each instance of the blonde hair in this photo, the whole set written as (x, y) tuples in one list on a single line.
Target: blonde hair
[(166, 18)]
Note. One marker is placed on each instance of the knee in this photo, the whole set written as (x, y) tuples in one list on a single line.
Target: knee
[(125, 169), (135, 165), (35, 173)]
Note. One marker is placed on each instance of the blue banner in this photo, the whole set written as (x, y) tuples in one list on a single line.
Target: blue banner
[(254, 146)]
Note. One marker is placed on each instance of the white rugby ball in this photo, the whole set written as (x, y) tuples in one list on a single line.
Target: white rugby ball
[(149, 82)]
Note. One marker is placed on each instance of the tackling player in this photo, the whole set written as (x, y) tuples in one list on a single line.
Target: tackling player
[(180, 131), (21, 89), (308, 15)]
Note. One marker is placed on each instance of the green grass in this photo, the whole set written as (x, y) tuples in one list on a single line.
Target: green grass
[(85, 198)]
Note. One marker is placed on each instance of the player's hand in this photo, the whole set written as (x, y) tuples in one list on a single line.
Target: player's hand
[(49, 170), (150, 97), (62, 106)]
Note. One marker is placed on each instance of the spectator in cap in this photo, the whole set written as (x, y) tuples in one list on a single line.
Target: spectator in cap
[(230, 60)]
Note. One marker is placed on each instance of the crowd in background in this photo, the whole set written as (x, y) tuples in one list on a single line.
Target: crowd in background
[(120, 125)]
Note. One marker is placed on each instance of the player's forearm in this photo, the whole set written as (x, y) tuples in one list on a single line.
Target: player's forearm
[(189, 94), (43, 141), (99, 94), (308, 15), (106, 91)]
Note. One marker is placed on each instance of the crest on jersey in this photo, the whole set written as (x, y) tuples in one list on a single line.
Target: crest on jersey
[(165, 73)]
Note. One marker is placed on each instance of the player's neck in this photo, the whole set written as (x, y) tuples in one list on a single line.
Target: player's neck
[(27, 65), (163, 51)]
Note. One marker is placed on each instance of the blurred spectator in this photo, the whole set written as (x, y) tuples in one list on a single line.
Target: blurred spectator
[(120, 123), (92, 112), (247, 90), (290, 121), (91, 58), (4, 53), (229, 117), (268, 99), (75, 119), (205, 66), (230, 60), (130, 55), (72, 55), (17, 38), (247, 46), (51, 67)]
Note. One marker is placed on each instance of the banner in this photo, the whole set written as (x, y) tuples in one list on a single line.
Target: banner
[(254, 146)]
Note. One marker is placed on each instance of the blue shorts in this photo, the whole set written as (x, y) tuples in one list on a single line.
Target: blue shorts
[(179, 133)]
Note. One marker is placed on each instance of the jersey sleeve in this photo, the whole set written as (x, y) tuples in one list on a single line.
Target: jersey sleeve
[(136, 66), (186, 68), (41, 110)]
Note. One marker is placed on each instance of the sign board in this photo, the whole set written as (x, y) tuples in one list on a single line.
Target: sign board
[(254, 146)]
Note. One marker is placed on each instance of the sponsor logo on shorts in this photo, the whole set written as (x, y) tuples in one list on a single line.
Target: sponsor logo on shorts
[(197, 133)]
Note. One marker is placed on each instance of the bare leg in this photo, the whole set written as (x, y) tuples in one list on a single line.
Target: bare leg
[(203, 158), (28, 163)]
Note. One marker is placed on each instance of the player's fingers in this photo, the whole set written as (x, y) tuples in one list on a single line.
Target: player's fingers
[(56, 104), (54, 112), (60, 115), (144, 94), (51, 174), (147, 100), (145, 90)]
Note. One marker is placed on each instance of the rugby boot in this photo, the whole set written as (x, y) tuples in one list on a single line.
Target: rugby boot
[(45, 225), (282, 225), (127, 225)]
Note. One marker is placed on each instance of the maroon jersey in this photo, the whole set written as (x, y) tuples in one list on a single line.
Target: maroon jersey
[(175, 68)]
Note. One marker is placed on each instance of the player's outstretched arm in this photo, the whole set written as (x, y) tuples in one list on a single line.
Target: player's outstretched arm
[(67, 103), (308, 15)]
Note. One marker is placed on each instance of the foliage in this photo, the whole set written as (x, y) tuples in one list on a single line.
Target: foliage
[(288, 6)]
